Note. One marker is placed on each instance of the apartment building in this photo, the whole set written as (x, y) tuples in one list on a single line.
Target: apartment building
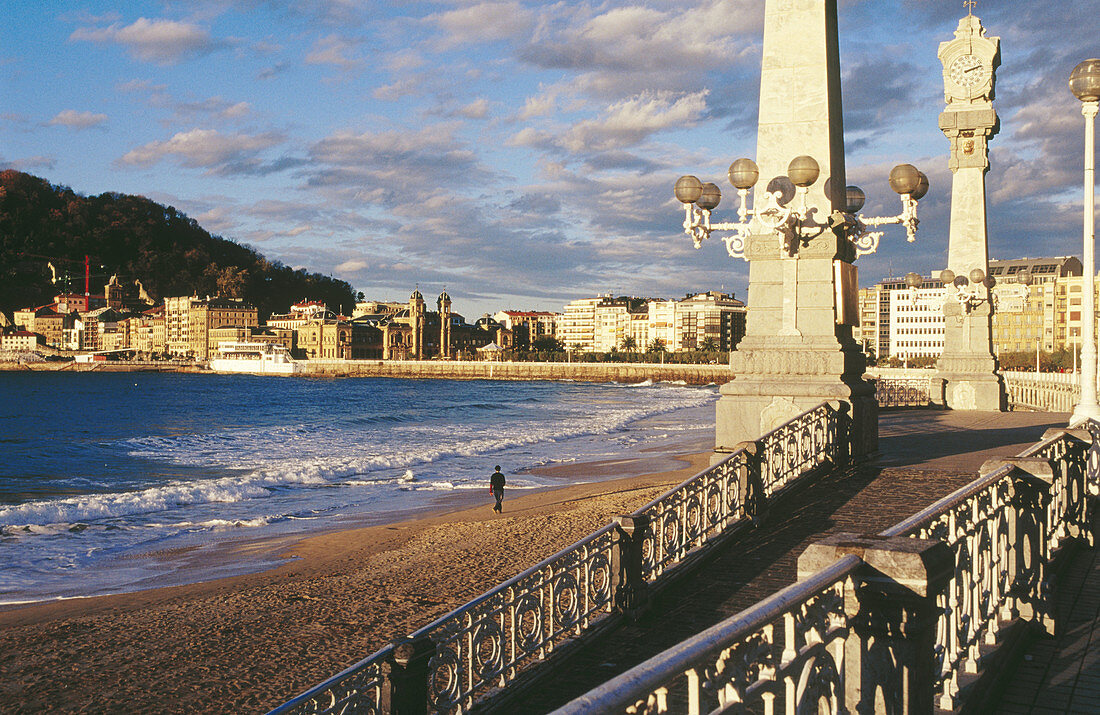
[(577, 327), (527, 326), (605, 324), (188, 321), (717, 317), (903, 322)]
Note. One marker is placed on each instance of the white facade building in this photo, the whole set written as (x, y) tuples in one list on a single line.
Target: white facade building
[(577, 327), (916, 322)]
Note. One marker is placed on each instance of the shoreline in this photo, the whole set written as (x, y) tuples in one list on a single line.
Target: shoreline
[(622, 372), (252, 641)]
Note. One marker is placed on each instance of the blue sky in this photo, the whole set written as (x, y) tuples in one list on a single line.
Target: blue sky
[(519, 154)]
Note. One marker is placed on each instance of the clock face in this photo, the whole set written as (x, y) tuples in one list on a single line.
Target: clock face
[(968, 71)]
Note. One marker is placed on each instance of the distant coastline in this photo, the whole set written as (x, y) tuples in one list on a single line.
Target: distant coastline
[(430, 369)]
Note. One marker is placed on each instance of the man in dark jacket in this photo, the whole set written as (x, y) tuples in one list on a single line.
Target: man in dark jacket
[(496, 487)]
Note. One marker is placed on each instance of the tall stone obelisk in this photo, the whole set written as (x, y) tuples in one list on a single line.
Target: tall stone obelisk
[(796, 353), (967, 377)]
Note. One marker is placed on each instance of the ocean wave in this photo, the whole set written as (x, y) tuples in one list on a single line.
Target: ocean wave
[(95, 507), (316, 451)]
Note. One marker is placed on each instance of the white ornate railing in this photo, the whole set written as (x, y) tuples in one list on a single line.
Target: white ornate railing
[(1043, 391), (928, 595), (447, 665), (1003, 529), (786, 651), (902, 392)]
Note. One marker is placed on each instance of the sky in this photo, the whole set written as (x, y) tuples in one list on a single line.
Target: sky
[(517, 154)]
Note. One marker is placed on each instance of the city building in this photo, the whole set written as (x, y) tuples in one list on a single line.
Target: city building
[(188, 321), (1045, 319), (698, 320), (147, 332), (20, 341), (577, 327), (904, 322), (300, 314), (915, 323), (710, 317), (527, 326)]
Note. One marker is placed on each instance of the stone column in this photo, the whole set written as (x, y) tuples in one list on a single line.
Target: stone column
[(889, 659), (794, 355), (967, 376)]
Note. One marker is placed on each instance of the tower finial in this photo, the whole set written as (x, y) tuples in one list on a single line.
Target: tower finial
[(970, 6)]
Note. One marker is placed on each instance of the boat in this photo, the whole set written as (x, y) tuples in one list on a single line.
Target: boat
[(254, 359)]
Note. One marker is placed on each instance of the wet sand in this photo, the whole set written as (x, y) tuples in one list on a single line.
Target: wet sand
[(250, 642)]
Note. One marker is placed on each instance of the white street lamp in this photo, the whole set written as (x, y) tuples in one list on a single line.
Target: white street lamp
[(1084, 82), (785, 211)]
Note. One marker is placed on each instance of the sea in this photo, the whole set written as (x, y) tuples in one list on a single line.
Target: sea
[(116, 482)]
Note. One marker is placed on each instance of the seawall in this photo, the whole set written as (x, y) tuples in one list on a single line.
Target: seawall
[(437, 369), (584, 372)]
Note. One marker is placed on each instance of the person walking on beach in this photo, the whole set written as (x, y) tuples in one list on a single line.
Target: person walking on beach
[(496, 487)]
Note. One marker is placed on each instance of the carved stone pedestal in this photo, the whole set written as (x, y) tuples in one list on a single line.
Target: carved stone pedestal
[(890, 663)]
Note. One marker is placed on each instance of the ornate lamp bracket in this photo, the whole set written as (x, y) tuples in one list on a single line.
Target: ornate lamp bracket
[(794, 220)]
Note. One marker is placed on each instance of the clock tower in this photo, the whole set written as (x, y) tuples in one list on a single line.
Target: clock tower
[(967, 377)]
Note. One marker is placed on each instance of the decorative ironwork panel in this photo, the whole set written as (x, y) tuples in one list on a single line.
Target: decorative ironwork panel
[(1003, 528), (1044, 391), (786, 651), (486, 643), (691, 514), (358, 690), (801, 445), (902, 392)]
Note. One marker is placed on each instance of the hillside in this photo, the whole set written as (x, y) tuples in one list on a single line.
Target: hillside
[(134, 238)]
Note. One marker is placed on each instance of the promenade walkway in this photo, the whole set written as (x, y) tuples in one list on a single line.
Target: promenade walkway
[(924, 455), (1062, 674)]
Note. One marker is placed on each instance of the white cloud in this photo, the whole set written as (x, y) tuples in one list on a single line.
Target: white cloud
[(352, 266), (483, 22), (164, 42), (207, 149), (77, 120), (406, 87), (540, 105), (629, 122), (213, 106), (477, 109), (334, 50)]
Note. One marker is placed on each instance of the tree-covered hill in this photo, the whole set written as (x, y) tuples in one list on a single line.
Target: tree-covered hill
[(134, 238)]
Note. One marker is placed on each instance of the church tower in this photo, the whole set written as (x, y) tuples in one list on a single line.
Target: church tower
[(416, 319), (967, 377), (444, 305)]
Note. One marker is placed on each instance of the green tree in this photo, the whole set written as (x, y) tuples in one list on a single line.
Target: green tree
[(656, 345), (709, 344), (547, 343), (630, 344)]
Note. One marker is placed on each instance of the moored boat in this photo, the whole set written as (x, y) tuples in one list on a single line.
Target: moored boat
[(254, 358)]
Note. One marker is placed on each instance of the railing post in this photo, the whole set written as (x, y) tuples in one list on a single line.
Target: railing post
[(750, 483), (408, 677), (1033, 483), (1075, 466), (631, 592), (890, 662), (844, 448)]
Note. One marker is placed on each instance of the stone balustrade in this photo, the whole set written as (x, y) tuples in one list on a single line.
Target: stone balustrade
[(1039, 391)]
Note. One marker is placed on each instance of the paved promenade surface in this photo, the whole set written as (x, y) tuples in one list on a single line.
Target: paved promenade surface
[(925, 455), (1062, 674)]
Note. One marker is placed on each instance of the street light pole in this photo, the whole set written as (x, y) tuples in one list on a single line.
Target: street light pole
[(1084, 82)]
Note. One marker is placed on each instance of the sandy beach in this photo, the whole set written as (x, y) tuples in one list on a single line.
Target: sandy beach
[(250, 642)]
